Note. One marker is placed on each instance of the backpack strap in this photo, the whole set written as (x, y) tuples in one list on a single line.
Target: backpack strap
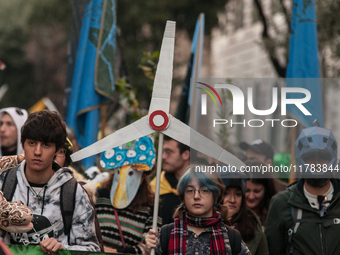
[(96, 222), (296, 218), (68, 193), (234, 240), (165, 237), (10, 183), (66, 205)]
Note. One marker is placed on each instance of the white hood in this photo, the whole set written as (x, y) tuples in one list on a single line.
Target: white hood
[(19, 117)]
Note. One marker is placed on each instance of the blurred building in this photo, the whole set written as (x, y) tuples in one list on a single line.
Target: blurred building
[(236, 53)]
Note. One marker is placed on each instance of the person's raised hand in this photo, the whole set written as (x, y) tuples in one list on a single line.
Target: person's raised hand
[(151, 241)]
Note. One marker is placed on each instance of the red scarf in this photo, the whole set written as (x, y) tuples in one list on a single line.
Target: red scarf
[(179, 233)]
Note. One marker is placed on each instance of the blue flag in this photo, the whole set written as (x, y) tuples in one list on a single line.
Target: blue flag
[(93, 79), (303, 64), (183, 109)]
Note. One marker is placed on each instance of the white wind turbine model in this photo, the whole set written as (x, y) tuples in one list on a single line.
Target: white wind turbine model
[(160, 120)]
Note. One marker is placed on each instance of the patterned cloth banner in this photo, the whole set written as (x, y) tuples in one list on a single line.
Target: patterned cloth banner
[(93, 75)]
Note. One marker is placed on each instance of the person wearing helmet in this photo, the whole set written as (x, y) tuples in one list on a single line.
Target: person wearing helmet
[(305, 218), (240, 216)]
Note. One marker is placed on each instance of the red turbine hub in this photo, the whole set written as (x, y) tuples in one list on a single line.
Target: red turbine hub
[(158, 120)]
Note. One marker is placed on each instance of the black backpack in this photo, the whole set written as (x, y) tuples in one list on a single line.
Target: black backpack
[(68, 190), (234, 239)]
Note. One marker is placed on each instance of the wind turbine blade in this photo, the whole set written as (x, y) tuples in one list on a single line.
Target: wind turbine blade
[(184, 134), (131, 132), (160, 99)]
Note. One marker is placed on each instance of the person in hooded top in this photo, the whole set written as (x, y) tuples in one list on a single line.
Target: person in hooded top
[(39, 181), (125, 200), (11, 121)]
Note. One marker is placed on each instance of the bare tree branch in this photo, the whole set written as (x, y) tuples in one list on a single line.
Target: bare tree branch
[(267, 41), (285, 13)]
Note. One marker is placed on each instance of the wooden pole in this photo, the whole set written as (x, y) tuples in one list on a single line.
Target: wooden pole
[(158, 181)]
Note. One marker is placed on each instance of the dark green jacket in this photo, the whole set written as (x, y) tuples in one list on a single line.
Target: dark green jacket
[(258, 245), (310, 238)]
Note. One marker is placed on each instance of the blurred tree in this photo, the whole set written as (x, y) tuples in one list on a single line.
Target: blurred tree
[(141, 26), (34, 37), (328, 35), (276, 41), (33, 44), (13, 38)]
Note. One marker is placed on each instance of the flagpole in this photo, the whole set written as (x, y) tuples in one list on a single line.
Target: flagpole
[(199, 67), (292, 175), (103, 117), (196, 67), (158, 181)]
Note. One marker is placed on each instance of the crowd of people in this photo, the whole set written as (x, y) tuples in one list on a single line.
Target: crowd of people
[(199, 213)]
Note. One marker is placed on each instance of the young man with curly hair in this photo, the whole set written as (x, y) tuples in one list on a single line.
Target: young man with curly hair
[(39, 182)]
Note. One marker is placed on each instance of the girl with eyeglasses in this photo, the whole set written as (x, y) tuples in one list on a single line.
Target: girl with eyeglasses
[(199, 226)]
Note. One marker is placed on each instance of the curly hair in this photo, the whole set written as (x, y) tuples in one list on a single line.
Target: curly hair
[(44, 126)]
